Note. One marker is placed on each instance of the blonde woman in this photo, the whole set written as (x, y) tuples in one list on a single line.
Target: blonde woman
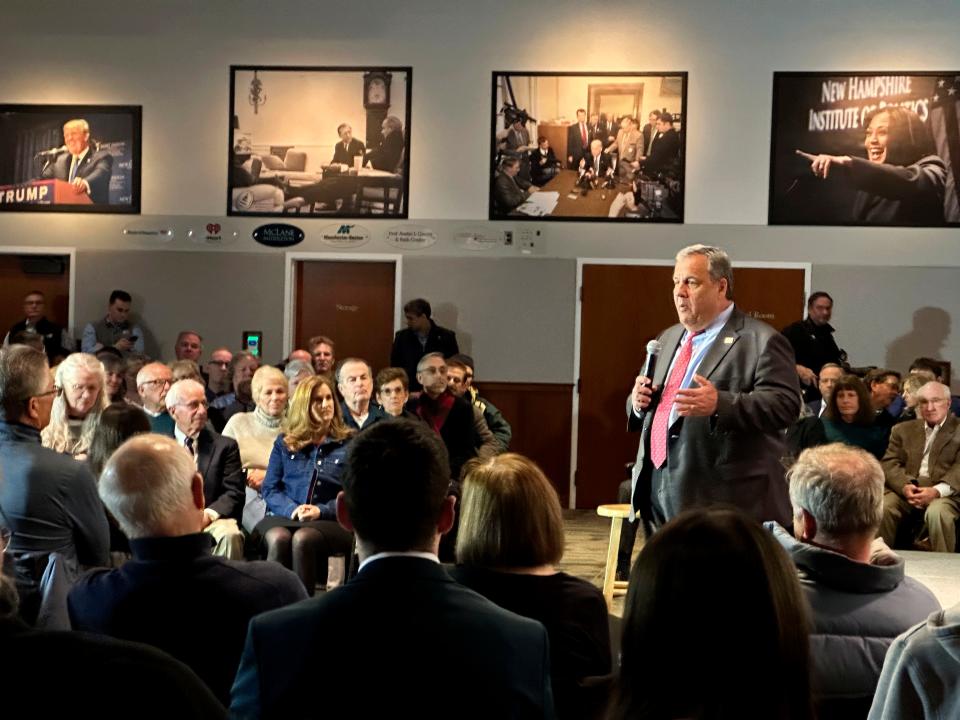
[(255, 433), (81, 396)]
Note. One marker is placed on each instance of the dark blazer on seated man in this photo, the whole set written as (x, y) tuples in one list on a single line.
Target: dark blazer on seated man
[(345, 154), (95, 167), (218, 460), (507, 192)]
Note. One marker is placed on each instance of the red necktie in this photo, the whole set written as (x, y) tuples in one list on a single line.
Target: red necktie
[(583, 135), (661, 418)]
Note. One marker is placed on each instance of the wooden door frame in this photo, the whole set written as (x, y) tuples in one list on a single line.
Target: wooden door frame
[(290, 283), (71, 276), (578, 289)]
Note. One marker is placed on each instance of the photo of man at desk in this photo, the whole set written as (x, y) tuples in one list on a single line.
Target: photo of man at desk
[(286, 158), (600, 169)]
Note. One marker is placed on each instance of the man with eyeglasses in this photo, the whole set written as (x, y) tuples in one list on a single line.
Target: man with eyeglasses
[(49, 499), (218, 460), (922, 472), (884, 387), (153, 382), (218, 377)]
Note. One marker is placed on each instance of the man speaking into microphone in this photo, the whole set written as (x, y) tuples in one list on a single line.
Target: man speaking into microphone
[(80, 163), (723, 388)]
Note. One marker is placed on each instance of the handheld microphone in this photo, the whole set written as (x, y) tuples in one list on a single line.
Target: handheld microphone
[(53, 151), (650, 364)]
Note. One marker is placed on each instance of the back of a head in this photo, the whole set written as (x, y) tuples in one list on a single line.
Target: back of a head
[(711, 581), (395, 484), (23, 374), (147, 485), (116, 424), (510, 515)]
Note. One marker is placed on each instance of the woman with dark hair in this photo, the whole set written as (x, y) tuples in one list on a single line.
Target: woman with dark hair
[(715, 626), (115, 371), (901, 181), (302, 481), (508, 545), (849, 418)]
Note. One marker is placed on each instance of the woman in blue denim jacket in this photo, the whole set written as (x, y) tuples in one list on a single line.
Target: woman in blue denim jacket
[(302, 482)]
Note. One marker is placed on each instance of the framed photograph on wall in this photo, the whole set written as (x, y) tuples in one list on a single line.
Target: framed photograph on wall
[(319, 141), (70, 158), (606, 146), (857, 148)]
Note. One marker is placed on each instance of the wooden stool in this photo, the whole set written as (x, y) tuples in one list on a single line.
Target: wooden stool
[(611, 586)]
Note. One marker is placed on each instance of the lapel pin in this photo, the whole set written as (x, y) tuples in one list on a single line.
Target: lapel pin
[(729, 340)]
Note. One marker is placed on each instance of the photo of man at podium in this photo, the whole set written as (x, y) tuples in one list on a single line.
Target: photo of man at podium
[(80, 163)]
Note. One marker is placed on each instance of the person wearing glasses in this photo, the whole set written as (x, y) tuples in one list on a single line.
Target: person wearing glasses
[(218, 379), (50, 500), (153, 382), (80, 381), (922, 472)]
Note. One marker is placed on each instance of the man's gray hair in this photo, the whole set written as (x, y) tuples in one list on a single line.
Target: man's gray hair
[(932, 389), (296, 367), (841, 487), (423, 361), (718, 263), (24, 373), (177, 390), (353, 360), (147, 480)]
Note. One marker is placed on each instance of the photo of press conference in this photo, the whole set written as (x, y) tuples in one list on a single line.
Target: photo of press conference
[(319, 141), (63, 158), (569, 146)]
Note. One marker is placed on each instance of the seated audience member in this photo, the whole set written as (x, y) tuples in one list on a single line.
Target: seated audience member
[(77, 405), (884, 388), (393, 391), (355, 383), (829, 374), (133, 363), (302, 481), (509, 189), (189, 346), (217, 459), (296, 371), (255, 433), (595, 165), (153, 382), (860, 597), (348, 148), (386, 156), (323, 353), (806, 432), (460, 369), (484, 442), (114, 375), (911, 385), (141, 677), (919, 678), (421, 336), (756, 607), (298, 355), (664, 151), (402, 620), (544, 164), (242, 368), (29, 339), (446, 414), (49, 500), (54, 340), (922, 470), (850, 418), (931, 369), (218, 377), (628, 147), (174, 594), (510, 541), (186, 370), (114, 330)]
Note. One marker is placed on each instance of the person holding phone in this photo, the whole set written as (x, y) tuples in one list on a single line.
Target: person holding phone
[(115, 330)]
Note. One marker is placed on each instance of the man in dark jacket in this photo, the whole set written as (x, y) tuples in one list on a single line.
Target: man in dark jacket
[(813, 343), (56, 342), (859, 594), (422, 336)]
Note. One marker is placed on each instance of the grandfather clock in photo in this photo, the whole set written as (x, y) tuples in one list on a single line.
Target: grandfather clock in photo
[(376, 100)]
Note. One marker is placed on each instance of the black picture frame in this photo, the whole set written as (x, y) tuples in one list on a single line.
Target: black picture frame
[(35, 163), (828, 113), (660, 188), (318, 188)]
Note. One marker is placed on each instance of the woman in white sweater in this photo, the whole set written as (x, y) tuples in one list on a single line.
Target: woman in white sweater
[(255, 433)]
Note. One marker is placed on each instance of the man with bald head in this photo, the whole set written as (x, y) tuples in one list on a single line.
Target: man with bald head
[(173, 594), (217, 458), (922, 471), (153, 381)]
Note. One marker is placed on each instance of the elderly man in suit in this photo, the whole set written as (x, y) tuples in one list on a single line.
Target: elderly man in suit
[(82, 165), (384, 639), (509, 189), (922, 471), (217, 459), (348, 148), (710, 417), (627, 146)]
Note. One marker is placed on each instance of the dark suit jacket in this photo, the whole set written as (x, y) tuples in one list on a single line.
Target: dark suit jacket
[(536, 169), (96, 168), (604, 163), (346, 155), (386, 156), (398, 638), (457, 432), (507, 193), (575, 146), (407, 351), (665, 150), (734, 456), (176, 596), (901, 463), (218, 460)]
